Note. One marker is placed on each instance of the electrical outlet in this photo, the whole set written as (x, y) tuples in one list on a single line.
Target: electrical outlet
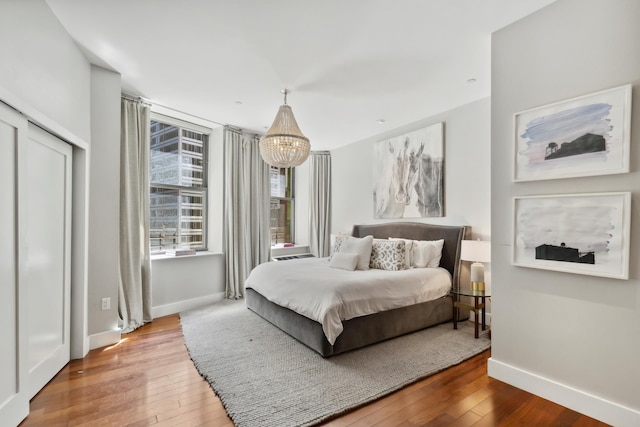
[(106, 303)]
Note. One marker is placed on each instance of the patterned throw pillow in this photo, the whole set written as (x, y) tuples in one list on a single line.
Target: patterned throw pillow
[(338, 241), (387, 255), (408, 251)]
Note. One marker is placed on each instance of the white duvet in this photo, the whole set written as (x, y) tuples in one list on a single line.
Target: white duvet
[(330, 295)]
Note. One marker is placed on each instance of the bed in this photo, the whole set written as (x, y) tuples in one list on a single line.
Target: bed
[(371, 328)]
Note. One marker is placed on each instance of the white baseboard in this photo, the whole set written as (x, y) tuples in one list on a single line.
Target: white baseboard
[(107, 338), (577, 400), (177, 307), (103, 339)]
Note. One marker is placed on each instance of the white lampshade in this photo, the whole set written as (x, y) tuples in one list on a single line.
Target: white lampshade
[(476, 251)]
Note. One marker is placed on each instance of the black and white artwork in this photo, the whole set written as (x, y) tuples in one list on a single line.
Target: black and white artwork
[(583, 136), (408, 175), (579, 233)]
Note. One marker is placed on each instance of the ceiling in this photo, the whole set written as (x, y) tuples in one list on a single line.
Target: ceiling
[(347, 63)]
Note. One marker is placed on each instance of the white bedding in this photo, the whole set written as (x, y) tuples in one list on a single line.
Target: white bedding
[(330, 295)]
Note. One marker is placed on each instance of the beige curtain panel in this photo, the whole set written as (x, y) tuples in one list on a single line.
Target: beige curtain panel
[(134, 303), (247, 210), (320, 203)]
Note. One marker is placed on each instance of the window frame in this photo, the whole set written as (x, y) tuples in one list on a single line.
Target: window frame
[(204, 188), (290, 199)]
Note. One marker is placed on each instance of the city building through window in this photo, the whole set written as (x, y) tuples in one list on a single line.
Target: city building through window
[(178, 187)]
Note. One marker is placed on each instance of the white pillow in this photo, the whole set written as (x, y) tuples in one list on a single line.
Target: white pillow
[(360, 246), (344, 261), (427, 253), (408, 251)]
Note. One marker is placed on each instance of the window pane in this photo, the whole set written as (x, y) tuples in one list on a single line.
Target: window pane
[(163, 219), (177, 156), (192, 158), (176, 219), (192, 219), (165, 149), (281, 180), (281, 221)]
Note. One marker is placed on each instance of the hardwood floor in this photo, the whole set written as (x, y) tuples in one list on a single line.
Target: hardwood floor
[(148, 379)]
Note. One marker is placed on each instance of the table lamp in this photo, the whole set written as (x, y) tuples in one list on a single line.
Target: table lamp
[(476, 251)]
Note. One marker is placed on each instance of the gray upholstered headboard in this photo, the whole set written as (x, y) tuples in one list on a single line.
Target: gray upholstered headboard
[(452, 235)]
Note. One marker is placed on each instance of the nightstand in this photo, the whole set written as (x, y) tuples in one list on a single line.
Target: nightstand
[(478, 307)]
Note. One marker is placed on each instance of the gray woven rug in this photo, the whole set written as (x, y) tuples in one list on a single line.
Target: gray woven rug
[(266, 378)]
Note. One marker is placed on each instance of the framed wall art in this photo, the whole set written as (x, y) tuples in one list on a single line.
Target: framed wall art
[(583, 136), (408, 175), (576, 233)]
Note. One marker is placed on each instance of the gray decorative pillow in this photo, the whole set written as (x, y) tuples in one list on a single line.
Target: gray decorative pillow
[(387, 255)]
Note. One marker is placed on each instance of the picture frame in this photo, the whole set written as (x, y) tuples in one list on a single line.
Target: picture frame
[(583, 136), (574, 233), (408, 174)]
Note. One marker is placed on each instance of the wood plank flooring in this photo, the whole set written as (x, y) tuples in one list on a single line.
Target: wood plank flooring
[(148, 380)]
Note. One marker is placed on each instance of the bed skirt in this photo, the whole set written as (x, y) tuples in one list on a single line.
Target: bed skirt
[(358, 332)]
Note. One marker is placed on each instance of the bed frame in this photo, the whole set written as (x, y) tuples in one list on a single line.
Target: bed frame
[(373, 328)]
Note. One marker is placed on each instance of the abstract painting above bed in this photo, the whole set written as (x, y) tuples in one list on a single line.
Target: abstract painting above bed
[(409, 175)]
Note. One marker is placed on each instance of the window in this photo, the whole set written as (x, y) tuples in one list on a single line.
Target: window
[(178, 186), (282, 205)]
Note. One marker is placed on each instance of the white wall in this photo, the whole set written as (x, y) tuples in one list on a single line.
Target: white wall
[(44, 75), (573, 339), (104, 204), (467, 173), (42, 66), (182, 283)]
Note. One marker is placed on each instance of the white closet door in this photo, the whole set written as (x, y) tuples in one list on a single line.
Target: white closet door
[(45, 208), (14, 393)]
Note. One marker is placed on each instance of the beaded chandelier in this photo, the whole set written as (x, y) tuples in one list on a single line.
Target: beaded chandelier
[(284, 145)]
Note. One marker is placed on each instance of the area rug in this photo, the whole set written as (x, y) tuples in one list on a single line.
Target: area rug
[(265, 378)]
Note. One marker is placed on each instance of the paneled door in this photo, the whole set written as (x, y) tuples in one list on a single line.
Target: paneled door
[(44, 198), (14, 393)]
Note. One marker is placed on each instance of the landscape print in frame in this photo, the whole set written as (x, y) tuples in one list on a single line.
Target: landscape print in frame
[(583, 136), (408, 175), (576, 233)]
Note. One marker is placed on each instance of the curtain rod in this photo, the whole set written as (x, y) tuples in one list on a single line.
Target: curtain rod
[(240, 131), (152, 103), (139, 99)]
